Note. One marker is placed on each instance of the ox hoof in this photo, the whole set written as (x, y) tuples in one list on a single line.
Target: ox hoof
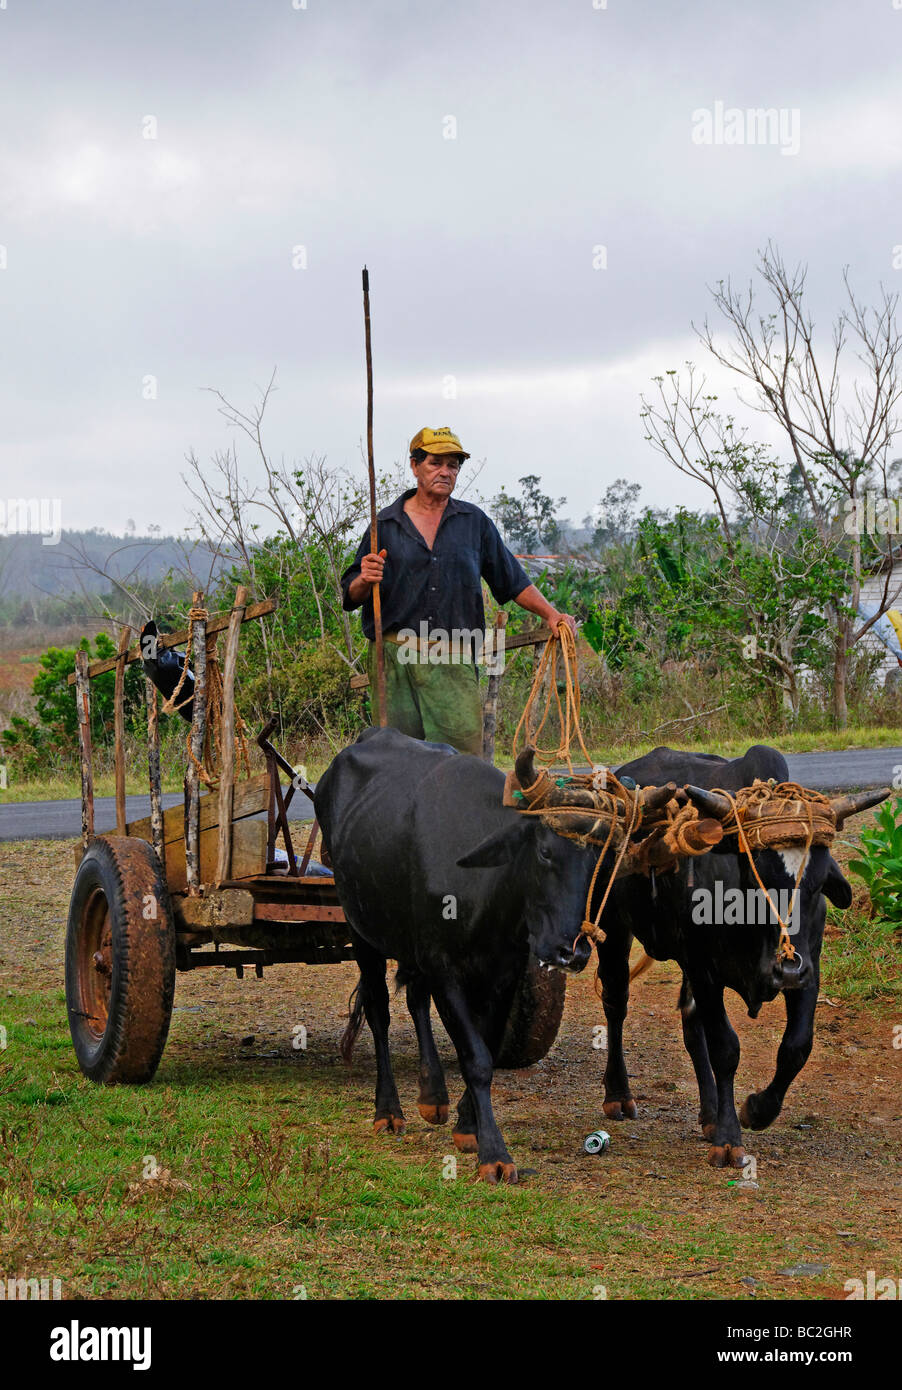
[(747, 1116), (727, 1156), (467, 1143), (620, 1110), (390, 1124), (498, 1172), (433, 1114)]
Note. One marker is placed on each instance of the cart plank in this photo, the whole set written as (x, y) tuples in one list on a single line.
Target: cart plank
[(249, 798)]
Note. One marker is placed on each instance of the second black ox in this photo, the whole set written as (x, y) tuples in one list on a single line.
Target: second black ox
[(662, 912)]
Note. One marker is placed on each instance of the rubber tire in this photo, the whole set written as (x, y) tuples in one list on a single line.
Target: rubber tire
[(534, 1018), (123, 872)]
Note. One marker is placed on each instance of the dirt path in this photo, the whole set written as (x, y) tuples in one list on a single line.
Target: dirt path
[(829, 1190)]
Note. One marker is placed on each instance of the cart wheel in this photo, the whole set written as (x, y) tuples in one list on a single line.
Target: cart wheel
[(534, 1018), (120, 961)]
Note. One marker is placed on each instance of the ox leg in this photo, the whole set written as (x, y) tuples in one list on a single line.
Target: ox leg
[(475, 1056), (433, 1100), (389, 1117), (694, 1039), (761, 1109), (614, 973), (723, 1051)]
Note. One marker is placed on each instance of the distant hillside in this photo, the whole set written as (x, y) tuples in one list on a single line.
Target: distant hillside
[(82, 560)]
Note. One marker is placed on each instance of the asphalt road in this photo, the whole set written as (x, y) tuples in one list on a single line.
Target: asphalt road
[(849, 770), (61, 820)]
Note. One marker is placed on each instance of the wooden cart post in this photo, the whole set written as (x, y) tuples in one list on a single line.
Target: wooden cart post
[(196, 745), (83, 706), (227, 737), (119, 726), (153, 769), (490, 708)]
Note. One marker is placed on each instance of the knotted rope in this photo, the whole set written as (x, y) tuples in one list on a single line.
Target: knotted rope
[(568, 713), (766, 807)]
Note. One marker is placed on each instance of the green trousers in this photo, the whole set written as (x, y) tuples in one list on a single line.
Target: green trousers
[(440, 703)]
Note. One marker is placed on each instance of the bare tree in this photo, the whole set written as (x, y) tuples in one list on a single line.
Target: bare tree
[(840, 432)]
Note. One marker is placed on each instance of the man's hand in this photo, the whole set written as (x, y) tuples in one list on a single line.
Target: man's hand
[(534, 601), (372, 566), (555, 619)]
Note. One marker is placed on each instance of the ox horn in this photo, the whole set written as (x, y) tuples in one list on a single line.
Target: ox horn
[(655, 798), (711, 803), (844, 806), (525, 771)]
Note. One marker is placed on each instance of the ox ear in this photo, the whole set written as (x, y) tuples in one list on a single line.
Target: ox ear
[(836, 886), (499, 848)]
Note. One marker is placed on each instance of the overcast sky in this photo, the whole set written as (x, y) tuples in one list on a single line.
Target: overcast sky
[(325, 127)]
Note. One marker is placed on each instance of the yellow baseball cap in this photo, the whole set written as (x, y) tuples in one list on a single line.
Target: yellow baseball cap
[(440, 441)]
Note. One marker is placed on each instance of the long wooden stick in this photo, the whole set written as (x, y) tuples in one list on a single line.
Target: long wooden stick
[(374, 536), (119, 727), (153, 770), (175, 639), (198, 731), (227, 737), (490, 711), (83, 706)]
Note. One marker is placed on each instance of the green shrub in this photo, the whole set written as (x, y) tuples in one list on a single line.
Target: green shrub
[(881, 863), (311, 694)]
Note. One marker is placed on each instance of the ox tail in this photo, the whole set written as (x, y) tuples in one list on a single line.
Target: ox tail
[(642, 964), (355, 1023)]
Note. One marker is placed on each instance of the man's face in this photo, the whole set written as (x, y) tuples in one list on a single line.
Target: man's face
[(437, 474)]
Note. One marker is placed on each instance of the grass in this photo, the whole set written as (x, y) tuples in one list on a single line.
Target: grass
[(861, 960), (235, 1186)]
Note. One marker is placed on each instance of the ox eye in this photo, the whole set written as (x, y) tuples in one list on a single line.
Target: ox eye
[(545, 854)]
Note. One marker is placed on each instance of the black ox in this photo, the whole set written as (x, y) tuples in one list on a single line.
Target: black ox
[(432, 870), (660, 911)]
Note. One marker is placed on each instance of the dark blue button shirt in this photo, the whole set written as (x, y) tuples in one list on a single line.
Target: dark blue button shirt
[(441, 586)]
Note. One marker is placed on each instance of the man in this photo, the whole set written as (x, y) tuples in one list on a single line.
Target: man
[(435, 553)]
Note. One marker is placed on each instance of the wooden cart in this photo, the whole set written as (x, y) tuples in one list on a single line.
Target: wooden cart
[(206, 884)]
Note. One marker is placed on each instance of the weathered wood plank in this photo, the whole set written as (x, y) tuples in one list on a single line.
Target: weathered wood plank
[(248, 855), (249, 797), (175, 639)]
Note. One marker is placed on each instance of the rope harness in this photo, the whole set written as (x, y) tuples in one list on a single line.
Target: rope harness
[(614, 811), (771, 815), (766, 815), (207, 767)]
